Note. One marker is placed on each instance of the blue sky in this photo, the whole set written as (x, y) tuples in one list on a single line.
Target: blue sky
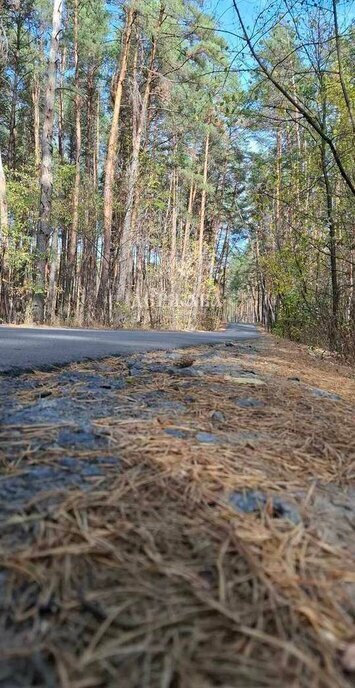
[(224, 12)]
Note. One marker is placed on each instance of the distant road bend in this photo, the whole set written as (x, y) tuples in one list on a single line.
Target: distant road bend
[(24, 348)]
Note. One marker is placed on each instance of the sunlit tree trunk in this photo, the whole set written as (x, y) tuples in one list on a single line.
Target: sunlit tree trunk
[(52, 278), (192, 195), (4, 229), (110, 164), (72, 239), (11, 155), (124, 287), (202, 224), (173, 242), (46, 180), (36, 121), (62, 67)]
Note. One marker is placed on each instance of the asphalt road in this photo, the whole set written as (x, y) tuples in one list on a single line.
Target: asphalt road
[(28, 348)]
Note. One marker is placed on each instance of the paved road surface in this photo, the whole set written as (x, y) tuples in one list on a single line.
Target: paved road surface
[(23, 348)]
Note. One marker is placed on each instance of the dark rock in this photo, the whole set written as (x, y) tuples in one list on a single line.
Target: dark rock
[(159, 401), (294, 379), (69, 462), (218, 417), (186, 372), (282, 509), (146, 369), (91, 380), (221, 369), (167, 405), (322, 393), (248, 501), (41, 473), (158, 368), (90, 469), (79, 465), (69, 473), (254, 501), (79, 438), (174, 406), (135, 364), (43, 411), (249, 403), (107, 460), (206, 437), (176, 432), (135, 371)]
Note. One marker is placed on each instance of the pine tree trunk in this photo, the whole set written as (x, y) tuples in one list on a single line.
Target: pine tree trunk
[(36, 121), (334, 321), (199, 296), (4, 268), (188, 223), (11, 157), (173, 243), (52, 279), (46, 181), (278, 190), (72, 239), (61, 106), (110, 164), (124, 287)]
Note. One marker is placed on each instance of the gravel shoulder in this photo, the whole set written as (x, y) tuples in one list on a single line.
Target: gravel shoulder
[(179, 519)]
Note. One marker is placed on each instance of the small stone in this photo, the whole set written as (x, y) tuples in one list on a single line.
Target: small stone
[(176, 432), (244, 380), (249, 403), (294, 379), (325, 395), (186, 372), (134, 364), (134, 371), (206, 437), (218, 417), (248, 501), (251, 501)]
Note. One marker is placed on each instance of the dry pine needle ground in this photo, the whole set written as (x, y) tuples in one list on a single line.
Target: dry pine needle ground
[(143, 574)]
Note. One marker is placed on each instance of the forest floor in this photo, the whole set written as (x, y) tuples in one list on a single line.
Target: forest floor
[(180, 519)]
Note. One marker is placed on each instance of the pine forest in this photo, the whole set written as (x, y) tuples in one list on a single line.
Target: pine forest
[(179, 163)]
